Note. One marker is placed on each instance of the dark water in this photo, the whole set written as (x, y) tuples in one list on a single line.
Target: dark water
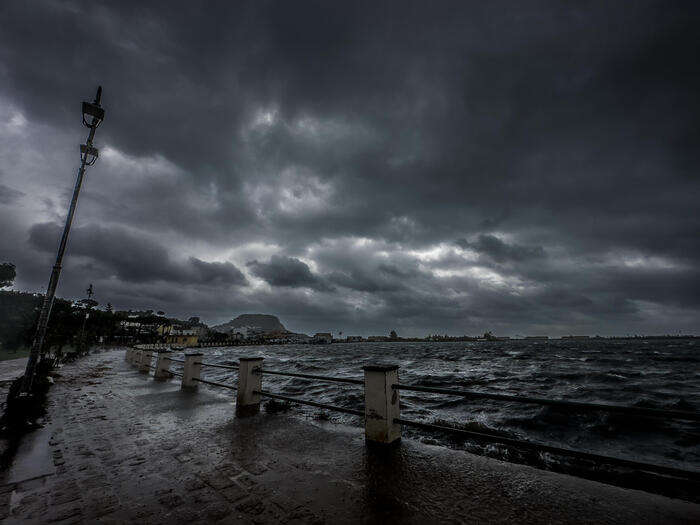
[(654, 374)]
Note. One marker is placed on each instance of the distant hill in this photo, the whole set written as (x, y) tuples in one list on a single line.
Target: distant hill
[(267, 323)]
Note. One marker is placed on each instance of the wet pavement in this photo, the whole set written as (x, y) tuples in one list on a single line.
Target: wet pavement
[(120, 447), (10, 369)]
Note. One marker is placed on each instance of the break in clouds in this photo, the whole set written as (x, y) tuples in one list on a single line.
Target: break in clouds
[(460, 167)]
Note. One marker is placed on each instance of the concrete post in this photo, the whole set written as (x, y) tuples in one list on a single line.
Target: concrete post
[(191, 370), (127, 354), (249, 381), (381, 404), (135, 356), (145, 364), (162, 366)]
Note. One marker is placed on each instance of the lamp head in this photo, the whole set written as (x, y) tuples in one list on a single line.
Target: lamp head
[(93, 110), (90, 154)]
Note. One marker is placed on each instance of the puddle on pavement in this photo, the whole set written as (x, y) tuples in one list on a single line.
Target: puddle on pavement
[(33, 457)]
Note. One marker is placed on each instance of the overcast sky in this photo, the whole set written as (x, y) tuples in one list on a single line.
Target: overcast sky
[(520, 167)]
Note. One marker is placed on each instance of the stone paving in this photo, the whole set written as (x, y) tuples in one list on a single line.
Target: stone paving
[(120, 447)]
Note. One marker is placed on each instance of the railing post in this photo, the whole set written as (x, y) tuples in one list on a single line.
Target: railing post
[(381, 403), (249, 381), (145, 364), (191, 370), (162, 365)]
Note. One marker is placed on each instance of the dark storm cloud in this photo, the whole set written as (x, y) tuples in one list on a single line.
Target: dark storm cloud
[(287, 271), (558, 143), (365, 282), (8, 195), (134, 258), (500, 251)]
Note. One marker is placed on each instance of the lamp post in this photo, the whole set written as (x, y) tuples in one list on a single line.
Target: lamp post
[(88, 157)]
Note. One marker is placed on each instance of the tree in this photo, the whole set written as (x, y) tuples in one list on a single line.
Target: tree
[(393, 335), (7, 274), (109, 308), (88, 303)]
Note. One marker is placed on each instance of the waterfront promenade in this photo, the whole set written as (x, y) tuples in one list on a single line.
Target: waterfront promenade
[(121, 447)]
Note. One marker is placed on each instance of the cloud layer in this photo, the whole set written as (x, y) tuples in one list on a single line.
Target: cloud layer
[(362, 167)]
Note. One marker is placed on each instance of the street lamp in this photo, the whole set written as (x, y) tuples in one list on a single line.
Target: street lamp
[(93, 115)]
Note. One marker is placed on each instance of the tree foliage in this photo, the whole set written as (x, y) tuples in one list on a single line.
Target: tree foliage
[(7, 274)]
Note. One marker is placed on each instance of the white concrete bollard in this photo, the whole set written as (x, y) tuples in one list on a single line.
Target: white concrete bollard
[(163, 366), (191, 370), (381, 404), (249, 381), (145, 363)]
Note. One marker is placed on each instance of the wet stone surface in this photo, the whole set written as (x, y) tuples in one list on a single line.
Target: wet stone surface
[(122, 447)]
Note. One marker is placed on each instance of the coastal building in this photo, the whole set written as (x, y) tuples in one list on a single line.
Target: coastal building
[(179, 336), (299, 338), (323, 338), (276, 337)]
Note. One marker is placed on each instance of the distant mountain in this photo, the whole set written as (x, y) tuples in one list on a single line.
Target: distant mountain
[(264, 322)]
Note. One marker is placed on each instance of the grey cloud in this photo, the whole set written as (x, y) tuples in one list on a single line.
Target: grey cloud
[(134, 258), (501, 251), (217, 272), (287, 271), (9, 195), (365, 281)]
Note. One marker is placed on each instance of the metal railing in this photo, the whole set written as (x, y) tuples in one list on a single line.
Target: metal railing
[(636, 411), (529, 445), (310, 403), (540, 447), (319, 378), (226, 367), (311, 377), (213, 383)]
